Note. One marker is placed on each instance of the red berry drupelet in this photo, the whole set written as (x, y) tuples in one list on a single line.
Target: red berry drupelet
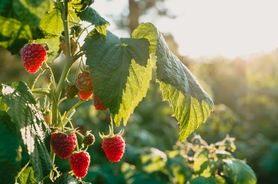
[(63, 144), (84, 85), (79, 163), (33, 55), (114, 147)]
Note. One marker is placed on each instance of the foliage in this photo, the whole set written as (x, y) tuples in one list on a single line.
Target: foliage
[(121, 70)]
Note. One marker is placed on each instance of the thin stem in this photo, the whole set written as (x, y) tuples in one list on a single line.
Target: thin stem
[(78, 55), (63, 99), (112, 123), (69, 62), (41, 91), (37, 78), (20, 172), (66, 118)]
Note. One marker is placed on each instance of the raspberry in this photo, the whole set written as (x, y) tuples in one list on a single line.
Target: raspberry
[(63, 144), (79, 163), (85, 95), (114, 147), (98, 104), (33, 56), (84, 85)]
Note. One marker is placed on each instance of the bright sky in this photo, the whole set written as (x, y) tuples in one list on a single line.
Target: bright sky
[(214, 27)]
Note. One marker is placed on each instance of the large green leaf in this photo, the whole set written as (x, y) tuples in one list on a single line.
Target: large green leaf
[(31, 11), (13, 34), (179, 87), (29, 122), (10, 153), (90, 15), (120, 71), (239, 172), (190, 103)]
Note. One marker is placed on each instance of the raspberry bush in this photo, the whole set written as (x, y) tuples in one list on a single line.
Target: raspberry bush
[(114, 72)]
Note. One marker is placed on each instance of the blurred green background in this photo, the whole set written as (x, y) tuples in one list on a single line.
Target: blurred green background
[(245, 92)]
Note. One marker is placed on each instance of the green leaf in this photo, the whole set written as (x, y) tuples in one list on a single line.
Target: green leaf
[(120, 70), (190, 103), (10, 150), (31, 11), (203, 180), (13, 34), (30, 124), (27, 176), (52, 23), (53, 44), (239, 172), (179, 87), (90, 15)]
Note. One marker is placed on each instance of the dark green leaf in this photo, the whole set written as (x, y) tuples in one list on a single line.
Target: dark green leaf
[(30, 123), (90, 15), (239, 172), (10, 150), (13, 34), (120, 70)]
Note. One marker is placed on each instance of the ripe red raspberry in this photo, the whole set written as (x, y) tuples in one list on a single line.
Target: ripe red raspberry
[(33, 55), (63, 144), (79, 163), (114, 147), (98, 104), (84, 85)]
